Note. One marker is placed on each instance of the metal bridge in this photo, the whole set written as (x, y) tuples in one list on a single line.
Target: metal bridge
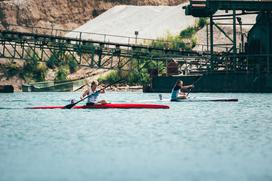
[(38, 43), (256, 51), (44, 43), (87, 52), (204, 8)]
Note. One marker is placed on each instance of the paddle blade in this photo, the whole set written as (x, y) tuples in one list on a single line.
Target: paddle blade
[(69, 106)]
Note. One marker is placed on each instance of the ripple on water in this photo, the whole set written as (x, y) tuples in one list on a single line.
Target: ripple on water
[(190, 141)]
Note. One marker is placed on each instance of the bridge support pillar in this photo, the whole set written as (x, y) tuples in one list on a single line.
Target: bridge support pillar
[(211, 43), (234, 41)]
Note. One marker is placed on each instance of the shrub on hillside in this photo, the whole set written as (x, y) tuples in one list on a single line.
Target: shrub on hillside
[(138, 77), (193, 41), (40, 72), (202, 22), (33, 69), (53, 60), (12, 69), (170, 41), (62, 73), (110, 78), (31, 61), (134, 77), (73, 65), (188, 32)]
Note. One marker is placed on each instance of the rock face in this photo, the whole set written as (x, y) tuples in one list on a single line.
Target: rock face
[(63, 14)]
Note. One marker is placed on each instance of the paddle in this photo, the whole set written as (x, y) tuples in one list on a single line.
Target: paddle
[(69, 106), (86, 81), (80, 87), (193, 85)]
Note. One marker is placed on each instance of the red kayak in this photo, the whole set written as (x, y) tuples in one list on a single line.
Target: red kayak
[(108, 106)]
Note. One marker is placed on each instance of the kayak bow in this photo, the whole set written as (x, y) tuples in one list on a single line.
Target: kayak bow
[(108, 106)]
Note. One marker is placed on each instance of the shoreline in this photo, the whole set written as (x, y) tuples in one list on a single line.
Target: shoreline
[(122, 88)]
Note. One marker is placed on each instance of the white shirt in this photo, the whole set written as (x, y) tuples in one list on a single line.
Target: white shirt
[(92, 96)]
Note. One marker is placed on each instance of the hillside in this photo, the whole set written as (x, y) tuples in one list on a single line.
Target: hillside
[(64, 14)]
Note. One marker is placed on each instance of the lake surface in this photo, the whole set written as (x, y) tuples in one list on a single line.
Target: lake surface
[(190, 141)]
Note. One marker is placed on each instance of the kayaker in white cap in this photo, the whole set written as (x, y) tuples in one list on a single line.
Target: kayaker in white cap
[(92, 99), (178, 91)]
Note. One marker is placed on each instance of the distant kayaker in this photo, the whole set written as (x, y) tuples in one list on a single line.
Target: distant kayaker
[(93, 94), (178, 91)]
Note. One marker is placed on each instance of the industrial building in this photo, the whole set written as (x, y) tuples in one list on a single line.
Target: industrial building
[(243, 67)]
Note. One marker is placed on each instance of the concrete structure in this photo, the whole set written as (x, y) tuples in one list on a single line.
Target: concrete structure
[(130, 24)]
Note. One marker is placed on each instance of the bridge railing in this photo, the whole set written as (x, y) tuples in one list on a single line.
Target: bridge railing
[(105, 38)]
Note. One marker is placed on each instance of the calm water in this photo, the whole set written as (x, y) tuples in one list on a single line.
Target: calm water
[(190, 141)]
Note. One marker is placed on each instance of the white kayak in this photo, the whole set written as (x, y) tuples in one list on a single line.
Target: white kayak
[(192, 99), (206, 99), (201, 99)]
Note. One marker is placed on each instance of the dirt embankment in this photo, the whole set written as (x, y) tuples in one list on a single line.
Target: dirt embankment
[(60, 14), (64, 14)]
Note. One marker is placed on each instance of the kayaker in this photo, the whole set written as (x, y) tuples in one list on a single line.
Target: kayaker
[(178, 91), (93, 94)]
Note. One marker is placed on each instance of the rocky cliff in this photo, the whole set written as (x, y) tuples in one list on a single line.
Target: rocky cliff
[(63, 14)]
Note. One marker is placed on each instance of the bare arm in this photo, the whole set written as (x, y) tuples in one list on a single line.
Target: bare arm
[(85, 93), (186, 87), (102, 90)]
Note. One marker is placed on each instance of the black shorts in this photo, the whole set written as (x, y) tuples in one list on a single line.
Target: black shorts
[(90, 104)]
